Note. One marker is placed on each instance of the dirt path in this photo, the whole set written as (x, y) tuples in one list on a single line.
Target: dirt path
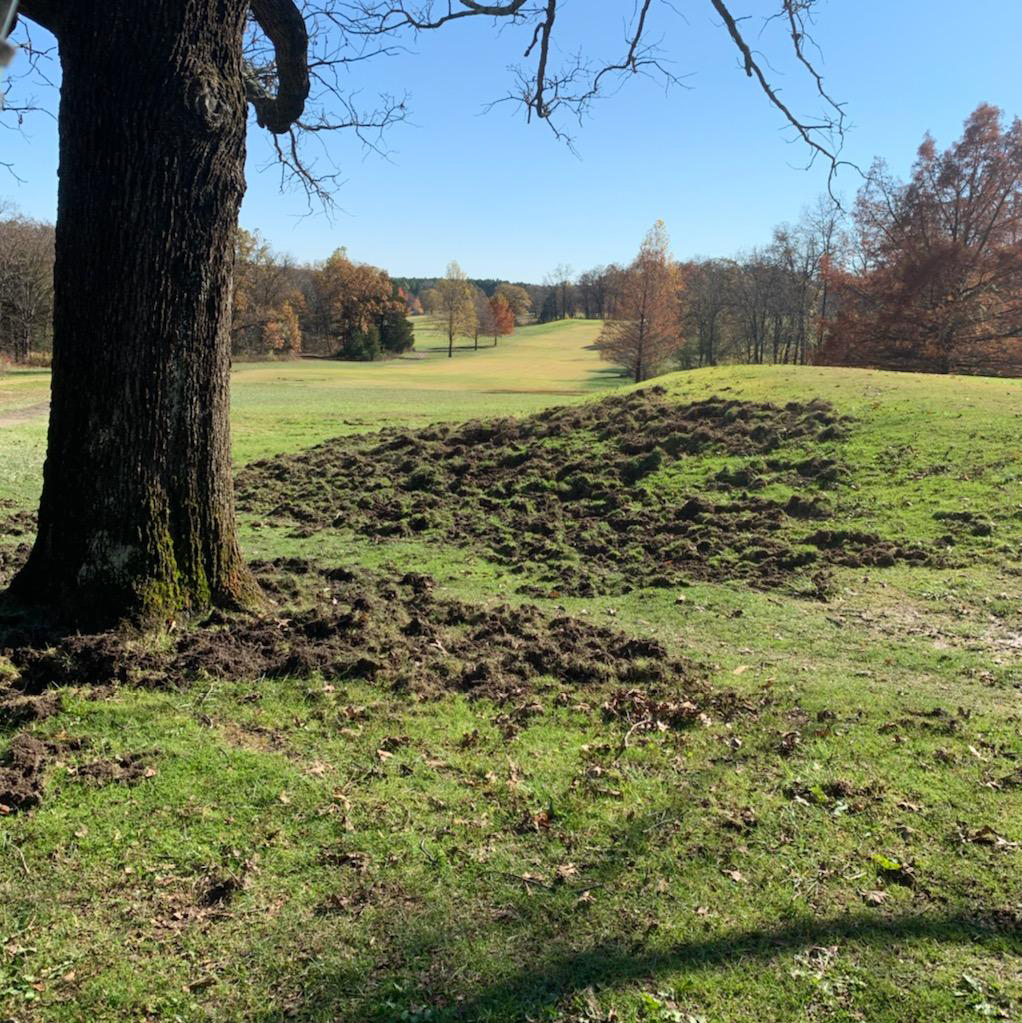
[(23, 415)]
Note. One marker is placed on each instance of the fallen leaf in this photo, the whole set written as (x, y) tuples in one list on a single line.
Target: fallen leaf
[(874, 897)]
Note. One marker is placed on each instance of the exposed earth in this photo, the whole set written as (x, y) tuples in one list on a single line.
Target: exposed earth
[(632, 491)]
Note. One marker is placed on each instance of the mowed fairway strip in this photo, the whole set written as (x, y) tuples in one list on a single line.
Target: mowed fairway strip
[(283, 406), (288, 405)]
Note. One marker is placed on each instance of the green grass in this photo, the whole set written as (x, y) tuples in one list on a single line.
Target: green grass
[(556, 868), (281, 406)]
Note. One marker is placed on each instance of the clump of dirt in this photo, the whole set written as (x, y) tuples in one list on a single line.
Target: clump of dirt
[(23, 767), (15, 521), (565, 496), (392, 630), (966, 521), (21, 773), (129, 769), (17, 709), (89, 659), (17, 527)]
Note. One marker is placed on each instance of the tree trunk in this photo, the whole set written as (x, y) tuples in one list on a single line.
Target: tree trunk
[(137, 519)]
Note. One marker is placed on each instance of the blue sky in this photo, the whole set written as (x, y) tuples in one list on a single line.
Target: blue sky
[(713, 160)]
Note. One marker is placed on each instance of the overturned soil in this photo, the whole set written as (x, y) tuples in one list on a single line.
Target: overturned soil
[(391, 630), (595, 498), (23, 768), (17, 528)]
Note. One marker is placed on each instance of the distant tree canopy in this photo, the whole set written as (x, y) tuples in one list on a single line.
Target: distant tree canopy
[(937, 280), (517, 299), (267, 300), (502, 317), (549, 310), (339, 307), (489, 286), (26, 287)]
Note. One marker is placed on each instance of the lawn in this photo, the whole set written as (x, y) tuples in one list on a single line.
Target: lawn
[(833, 832)]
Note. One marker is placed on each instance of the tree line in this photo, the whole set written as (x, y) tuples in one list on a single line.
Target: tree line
[(357, 311), (338, 307), (923, 274)]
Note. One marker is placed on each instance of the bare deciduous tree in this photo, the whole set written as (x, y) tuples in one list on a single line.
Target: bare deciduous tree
[(26, 285)]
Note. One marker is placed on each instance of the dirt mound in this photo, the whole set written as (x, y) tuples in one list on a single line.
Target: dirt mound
[(15, 521), (394, 631), (17, 709), (567, 496)]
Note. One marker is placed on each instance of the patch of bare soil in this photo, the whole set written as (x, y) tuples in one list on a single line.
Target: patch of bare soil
[(563, 496), (394, 631), (129, 769), (17, 527), (17, 709), (23, 767)]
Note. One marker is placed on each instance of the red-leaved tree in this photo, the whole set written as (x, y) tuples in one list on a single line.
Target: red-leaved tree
[(502, 317), (648, 330), (939, 281)]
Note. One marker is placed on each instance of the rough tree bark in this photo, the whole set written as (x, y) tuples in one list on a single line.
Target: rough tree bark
[(137, 512)]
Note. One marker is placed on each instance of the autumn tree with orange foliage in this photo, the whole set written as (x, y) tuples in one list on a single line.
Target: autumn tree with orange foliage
[(502, 317), (939, 286), (356, 295), (647, 331), (267, 301)]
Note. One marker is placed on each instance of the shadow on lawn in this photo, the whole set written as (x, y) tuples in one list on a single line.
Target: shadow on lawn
[(548, 982)]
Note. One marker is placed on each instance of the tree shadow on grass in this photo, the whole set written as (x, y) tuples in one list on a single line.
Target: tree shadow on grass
[(520, 953), (608, 377), (550, 979)]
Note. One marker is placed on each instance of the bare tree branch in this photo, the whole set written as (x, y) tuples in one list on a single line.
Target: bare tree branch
[(299, 51), (823, 138)]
